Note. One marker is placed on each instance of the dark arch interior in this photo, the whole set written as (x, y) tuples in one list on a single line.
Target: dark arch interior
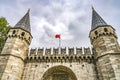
[(59, 73)]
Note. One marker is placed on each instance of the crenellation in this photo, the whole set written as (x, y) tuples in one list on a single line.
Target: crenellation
[(60, 55), (60, 52), (40, 52), (79, 51), (21, 34), (87, 51), (33, 52), (102, 31), (71, 51), (55, 51), (48, 52), (63, 51)]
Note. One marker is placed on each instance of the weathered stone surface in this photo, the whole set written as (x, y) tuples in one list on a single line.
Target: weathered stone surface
[(37, 71), (107, 50)]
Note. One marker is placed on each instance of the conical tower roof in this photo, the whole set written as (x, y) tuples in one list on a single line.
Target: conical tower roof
[(24, 23), (97, 20)]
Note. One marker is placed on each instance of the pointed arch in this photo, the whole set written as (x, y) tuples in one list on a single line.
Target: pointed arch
[(59, 70)]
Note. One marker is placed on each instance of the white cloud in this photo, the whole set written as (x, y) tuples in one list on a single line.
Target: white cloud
[(70, 18)]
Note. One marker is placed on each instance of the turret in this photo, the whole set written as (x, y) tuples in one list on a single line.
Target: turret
[(102, 36), (104, 41), (16, 49)]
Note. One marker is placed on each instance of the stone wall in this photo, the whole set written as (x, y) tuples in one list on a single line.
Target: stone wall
[(3, 63), (79, 61), (36, 70), (108, 67), (13, 69)]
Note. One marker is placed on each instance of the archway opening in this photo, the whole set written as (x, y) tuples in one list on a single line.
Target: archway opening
[(59, 73)]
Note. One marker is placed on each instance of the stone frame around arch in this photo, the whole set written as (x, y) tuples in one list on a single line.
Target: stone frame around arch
[(58, 68)]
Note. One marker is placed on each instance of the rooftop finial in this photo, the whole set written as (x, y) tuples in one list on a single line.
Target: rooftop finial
[(92, 7), (28, 10)]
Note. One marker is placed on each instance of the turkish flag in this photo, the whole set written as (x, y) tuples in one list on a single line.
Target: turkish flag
[(57, 36)]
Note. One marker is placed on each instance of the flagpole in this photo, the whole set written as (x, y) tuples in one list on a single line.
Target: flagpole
[(59, 42), (59, 46)]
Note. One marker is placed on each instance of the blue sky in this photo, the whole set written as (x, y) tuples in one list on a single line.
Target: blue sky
[(70, 18)]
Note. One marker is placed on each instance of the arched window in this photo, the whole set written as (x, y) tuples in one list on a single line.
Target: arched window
[(96, 32), (105, 29), (29, 38), (23, 33), (14, 31)]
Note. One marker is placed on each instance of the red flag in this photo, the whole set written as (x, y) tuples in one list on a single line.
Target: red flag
[(57, 36)]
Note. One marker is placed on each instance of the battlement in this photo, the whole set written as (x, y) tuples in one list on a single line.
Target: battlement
[(60, 54), (106, 30), (21, 34)]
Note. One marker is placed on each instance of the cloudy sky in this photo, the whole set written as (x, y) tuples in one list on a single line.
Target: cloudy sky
[(70, 18)]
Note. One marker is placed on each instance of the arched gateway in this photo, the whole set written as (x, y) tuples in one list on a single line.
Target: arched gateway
[(59, 73)]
